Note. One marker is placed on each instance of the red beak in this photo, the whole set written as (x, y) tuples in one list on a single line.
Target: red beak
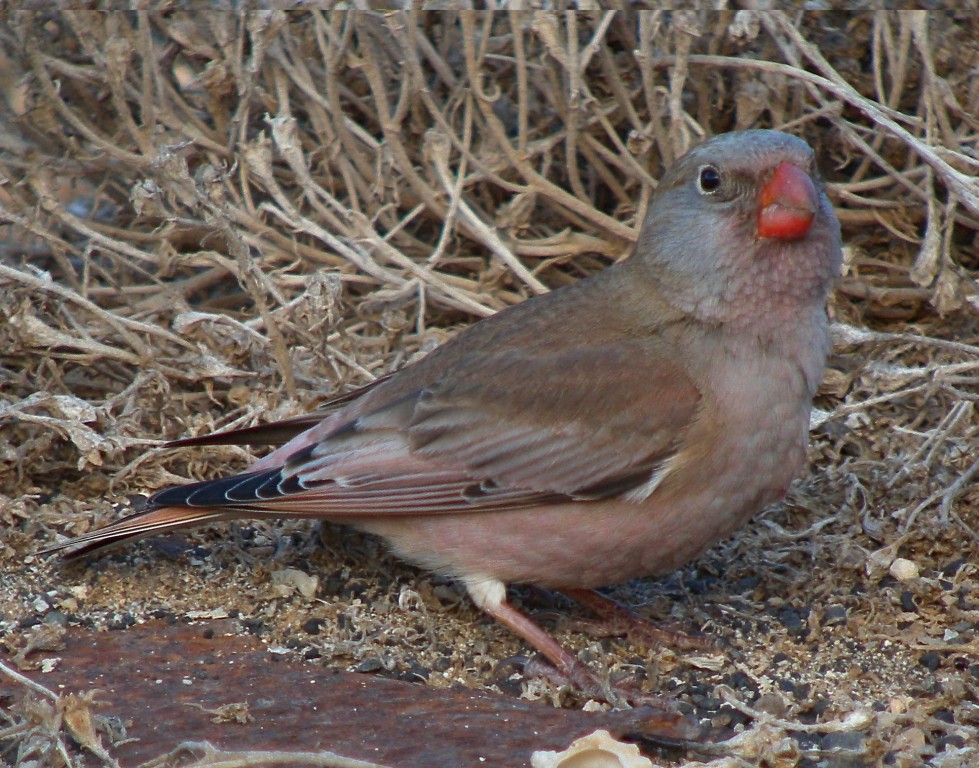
[(787, 204)]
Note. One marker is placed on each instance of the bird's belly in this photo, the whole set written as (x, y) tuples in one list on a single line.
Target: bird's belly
[(594, 543), (746, 464)]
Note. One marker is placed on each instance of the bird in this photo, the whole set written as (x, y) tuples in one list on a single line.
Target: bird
[(607, 430)]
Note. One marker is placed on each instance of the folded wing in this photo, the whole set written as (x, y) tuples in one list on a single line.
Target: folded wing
[(512, 431)]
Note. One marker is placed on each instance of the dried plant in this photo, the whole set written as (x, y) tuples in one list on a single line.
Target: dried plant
[(207, 220)]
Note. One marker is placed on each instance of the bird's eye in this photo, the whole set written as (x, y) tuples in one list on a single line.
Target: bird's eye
[(709, 180)]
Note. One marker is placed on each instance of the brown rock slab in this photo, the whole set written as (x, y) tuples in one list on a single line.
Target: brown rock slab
[(170, 683)]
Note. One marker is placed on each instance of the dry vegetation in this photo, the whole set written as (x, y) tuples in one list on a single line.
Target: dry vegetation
[(212, 220)]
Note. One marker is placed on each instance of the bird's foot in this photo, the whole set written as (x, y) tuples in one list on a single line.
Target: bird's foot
[(589, 685), (666, 722), (615, 620), (656, 717)]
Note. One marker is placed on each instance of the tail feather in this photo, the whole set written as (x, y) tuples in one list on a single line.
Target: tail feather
[(139, 524), (278, 432)]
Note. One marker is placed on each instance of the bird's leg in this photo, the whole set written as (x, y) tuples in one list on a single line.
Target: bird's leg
[(490, 597), (616, 619), (566, 668), (529, 630)]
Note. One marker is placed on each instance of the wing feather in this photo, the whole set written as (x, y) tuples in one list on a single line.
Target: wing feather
[(507, 430), (579, 424)]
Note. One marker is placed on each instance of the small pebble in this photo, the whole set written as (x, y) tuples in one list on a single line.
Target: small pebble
[(953, 567), (908, 604), (793, 621), (372, 664), (834, 615), (898, 705), (850, 741), (942, 743), (904, 570), (773, 704), (57, 618), (313, 626), (293, 579)]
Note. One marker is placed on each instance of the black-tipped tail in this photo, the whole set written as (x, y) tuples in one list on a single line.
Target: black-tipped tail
[(248, 487)]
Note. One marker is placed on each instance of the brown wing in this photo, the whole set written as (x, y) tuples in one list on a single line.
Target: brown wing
[(511, 430), (580, 422), (508, 430)]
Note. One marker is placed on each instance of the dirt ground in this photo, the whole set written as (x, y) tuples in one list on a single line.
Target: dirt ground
[(214, 220)]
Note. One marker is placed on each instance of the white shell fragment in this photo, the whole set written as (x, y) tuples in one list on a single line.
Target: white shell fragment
[(596, 750), (904, 570), (288, 580)]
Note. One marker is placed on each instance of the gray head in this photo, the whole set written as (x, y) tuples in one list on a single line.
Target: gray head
[(740, 225)]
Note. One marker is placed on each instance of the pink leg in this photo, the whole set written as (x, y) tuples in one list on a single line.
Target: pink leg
[(567, 669), (526, 628), (658, 719)]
